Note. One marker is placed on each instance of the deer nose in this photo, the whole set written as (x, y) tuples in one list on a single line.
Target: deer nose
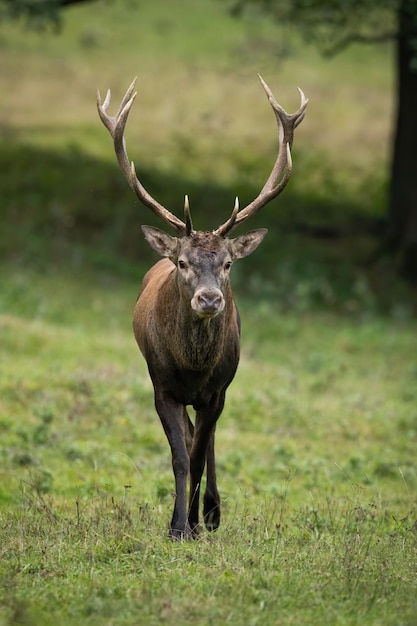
[(208, 303)]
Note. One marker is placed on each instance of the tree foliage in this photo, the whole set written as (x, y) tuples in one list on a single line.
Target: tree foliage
[(35, 13), (334, 24)]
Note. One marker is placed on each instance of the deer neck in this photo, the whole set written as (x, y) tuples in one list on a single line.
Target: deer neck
[(196, 343)]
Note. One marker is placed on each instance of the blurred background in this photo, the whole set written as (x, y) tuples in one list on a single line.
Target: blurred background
[(201, 126), (317, 443)]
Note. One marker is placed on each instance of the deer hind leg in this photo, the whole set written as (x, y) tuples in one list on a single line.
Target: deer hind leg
[(202, 451), (211, 510), (172, 417)]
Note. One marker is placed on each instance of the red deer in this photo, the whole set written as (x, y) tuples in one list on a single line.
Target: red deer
[(186, 322)]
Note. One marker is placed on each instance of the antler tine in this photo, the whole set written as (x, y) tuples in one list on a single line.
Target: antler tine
[(281, 171), (302, 110), (110, 121), (116, 126), (187, 216)]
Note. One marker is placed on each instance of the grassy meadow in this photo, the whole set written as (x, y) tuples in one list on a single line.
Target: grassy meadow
[(316, 446)]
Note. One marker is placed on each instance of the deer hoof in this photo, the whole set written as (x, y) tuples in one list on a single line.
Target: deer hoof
[(212, 519), (181, 534)]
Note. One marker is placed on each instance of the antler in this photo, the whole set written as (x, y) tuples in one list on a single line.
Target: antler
[(116, 126), (276, 182), (281, 171)]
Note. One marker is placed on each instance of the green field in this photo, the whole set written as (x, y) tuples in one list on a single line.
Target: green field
[(316, 446)]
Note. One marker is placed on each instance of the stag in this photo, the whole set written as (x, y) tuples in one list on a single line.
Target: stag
[(186, 322)]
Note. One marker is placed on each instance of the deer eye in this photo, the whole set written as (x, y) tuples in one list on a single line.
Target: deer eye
[(181, 264), (228, 265)]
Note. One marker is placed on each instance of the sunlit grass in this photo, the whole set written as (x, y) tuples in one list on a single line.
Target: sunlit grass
[(326, 402), (208, 91), (315, 461), (316, 468)]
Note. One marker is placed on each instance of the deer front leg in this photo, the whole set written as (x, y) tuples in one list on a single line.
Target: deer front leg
[(202, 450), (172, 417)]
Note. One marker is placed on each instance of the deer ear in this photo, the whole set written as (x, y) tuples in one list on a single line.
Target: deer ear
[(245, 244), (161, 242)]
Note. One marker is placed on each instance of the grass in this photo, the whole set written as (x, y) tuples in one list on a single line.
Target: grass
[(316, 446), (316, 455), (267, 582)]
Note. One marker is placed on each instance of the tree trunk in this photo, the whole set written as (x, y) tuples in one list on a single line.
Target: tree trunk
[(402, 220)]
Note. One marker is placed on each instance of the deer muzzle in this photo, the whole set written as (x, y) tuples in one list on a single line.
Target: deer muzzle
[(208, 302)]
